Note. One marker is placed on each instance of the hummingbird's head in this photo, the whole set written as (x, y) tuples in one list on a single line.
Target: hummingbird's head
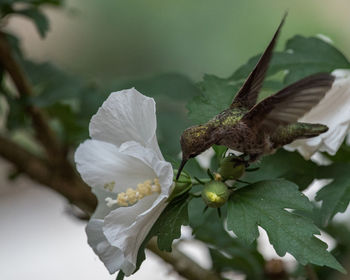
[(194, 140)]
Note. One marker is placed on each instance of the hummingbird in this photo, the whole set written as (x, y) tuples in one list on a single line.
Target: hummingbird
[(259, 129)]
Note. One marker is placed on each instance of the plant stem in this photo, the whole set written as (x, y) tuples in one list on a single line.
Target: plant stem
[(201, 181), (311, 274), (43, 132), (179, 262)]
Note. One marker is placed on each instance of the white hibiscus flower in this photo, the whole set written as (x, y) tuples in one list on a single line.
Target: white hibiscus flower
[(333, 111), (126, 170)]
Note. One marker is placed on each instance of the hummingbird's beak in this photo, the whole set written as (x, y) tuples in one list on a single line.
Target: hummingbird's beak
[(182, 164)]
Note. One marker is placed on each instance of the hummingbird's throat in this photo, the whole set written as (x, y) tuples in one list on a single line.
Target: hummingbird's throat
[(131, 196)]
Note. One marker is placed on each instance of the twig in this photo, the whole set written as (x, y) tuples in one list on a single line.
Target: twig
[(43, 131), (311, 274), (336, 275), (63, 180), (183, 265), (274, 270)]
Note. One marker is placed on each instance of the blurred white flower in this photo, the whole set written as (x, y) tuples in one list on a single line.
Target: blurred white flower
[(333, 111), (127, 172)]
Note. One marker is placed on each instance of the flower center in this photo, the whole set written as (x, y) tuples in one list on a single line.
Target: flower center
[(131, 196)]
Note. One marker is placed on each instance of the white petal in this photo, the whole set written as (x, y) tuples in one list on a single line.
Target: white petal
[(127, 227), (334, 140), (112, 257), (332, 111), (155, 147), (204, 158), (162, 169), (100, 163), (102, 210), (126, 115)]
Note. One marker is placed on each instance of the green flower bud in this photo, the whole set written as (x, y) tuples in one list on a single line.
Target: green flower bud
[(182, 185), (231, 168), (215, 194)]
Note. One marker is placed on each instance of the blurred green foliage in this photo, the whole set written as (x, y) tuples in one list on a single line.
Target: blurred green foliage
[(69, 102), (30, 9), (298, 60)]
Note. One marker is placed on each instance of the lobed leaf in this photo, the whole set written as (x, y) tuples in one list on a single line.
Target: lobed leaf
[(287, 165), (335, 196), (300, 59), (168, 226), (216, 95), (264, 204), (227, 252), (39, 19)]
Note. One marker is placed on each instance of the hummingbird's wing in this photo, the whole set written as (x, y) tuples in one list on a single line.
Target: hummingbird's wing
[(289, 104), (248, 93)]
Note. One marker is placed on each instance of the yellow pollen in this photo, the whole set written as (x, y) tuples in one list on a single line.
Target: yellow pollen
[(131, 196), (122, 199), (156, 185), (143, 190)]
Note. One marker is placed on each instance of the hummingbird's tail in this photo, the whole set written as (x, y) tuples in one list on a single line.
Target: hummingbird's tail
[(313, 130), (287, 134)]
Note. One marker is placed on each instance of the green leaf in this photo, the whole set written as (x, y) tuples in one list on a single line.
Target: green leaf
[(31, 11), (17, 117), (219, 154), (162, 227), (33, 2), (342, 155), (40, 20), (171, 122), (72, 130), (216, 95), (335, 196), (341, 234), (5, 8), (120, 275), (302, 56), (227, 252), (305, 56), (51, 84), (263, 204), (168, 225), (7, 2), (182, 185), (219, 151), (282, 164), (50, 2)]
